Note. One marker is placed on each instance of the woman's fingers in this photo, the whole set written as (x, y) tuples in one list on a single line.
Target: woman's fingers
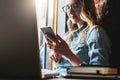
[(52, 57), (49, 38), (50, 45), (55, 57), (51, 42)]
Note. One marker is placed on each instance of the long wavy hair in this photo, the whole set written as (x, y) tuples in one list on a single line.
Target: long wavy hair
[(88, 14)]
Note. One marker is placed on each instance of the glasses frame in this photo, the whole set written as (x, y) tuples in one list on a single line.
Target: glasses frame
[(73, 7)]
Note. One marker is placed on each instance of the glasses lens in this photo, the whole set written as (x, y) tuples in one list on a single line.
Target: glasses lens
[(65, 9), (73, 7)]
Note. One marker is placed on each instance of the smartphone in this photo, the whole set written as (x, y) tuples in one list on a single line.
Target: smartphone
[(49, 31)]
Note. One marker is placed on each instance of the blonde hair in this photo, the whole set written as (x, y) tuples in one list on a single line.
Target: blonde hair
[(71, 28), (88, 15)]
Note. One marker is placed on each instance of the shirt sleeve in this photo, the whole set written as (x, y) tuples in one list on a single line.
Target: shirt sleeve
[(98, 47)]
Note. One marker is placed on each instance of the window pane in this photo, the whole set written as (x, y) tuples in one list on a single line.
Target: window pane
[(44, 10)]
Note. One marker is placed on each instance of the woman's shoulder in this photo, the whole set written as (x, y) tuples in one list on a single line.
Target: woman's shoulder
[(96, 31), (96, 28)]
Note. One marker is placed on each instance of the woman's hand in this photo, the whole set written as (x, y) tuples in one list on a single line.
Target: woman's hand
[(55, 56), (58, 45)]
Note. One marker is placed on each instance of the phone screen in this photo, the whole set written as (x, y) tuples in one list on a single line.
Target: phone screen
[(49, 31)]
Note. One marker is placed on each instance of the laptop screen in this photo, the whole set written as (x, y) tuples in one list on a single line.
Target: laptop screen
[(19, 50)]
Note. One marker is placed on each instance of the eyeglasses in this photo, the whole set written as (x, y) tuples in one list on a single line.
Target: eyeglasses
[(73, 7)]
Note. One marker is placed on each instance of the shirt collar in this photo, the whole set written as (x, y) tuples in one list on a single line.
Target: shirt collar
[(76, 32)]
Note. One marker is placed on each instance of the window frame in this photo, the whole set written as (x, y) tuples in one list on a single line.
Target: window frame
[(57, 22)]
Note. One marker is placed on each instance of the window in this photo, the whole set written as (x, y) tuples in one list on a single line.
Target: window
[(44, 18), (47, 15)]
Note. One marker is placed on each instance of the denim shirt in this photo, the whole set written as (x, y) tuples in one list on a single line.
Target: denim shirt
[(94, 50)]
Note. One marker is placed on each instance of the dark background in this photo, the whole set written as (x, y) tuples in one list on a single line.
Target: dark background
[(111, 23)]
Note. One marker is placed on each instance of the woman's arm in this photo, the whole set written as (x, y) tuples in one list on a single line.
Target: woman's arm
[(60, 47), (98, 46)]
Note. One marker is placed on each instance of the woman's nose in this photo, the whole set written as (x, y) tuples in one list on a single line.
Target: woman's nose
[(71, 11)]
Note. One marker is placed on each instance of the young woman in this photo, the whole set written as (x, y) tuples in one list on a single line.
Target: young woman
[(89, 43)]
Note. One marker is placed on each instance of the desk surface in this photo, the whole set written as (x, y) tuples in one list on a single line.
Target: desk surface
[(88, 77), (59, 79), (78, 79)]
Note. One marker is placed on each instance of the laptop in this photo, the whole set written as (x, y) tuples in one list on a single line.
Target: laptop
[(19, 48), (19, 51)]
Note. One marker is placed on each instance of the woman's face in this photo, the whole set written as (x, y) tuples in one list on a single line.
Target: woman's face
[(73, 10)]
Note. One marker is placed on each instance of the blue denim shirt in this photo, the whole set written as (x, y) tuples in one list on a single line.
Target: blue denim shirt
[(94, 50)]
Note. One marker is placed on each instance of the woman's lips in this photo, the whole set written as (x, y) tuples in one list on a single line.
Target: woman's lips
[(73, 17)]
